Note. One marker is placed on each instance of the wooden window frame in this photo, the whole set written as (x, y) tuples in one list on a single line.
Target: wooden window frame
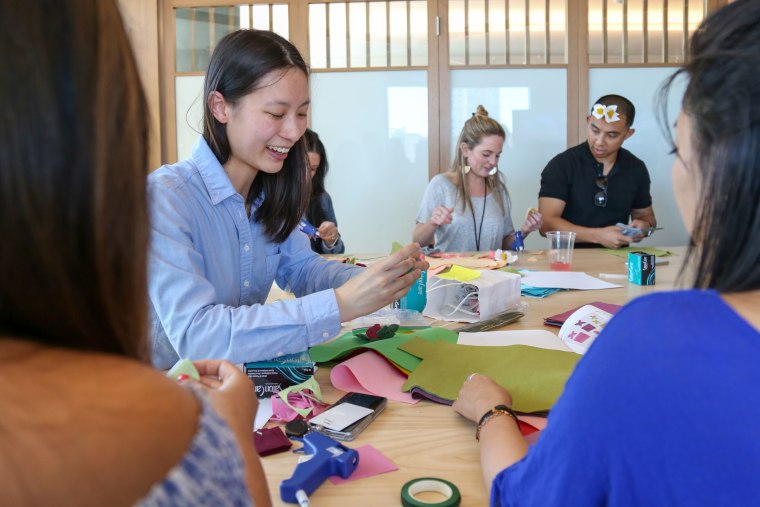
[(438, 68)]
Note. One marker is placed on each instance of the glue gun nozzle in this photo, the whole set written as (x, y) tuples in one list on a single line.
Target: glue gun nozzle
[(303, 500)]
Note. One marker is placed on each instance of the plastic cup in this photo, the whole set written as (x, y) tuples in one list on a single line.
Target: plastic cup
[(561, 244)]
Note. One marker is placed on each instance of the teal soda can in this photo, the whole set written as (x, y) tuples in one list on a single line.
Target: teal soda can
[(416, 297)]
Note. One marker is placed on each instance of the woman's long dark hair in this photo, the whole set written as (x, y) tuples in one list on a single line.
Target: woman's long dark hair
[(315, 214), (239, 63), (73, 161), (722, 99)]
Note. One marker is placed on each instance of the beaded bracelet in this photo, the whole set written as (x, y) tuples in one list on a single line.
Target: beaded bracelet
[(495, 412)]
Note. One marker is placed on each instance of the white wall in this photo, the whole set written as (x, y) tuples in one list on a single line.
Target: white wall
[(374, 127), (531, 105), (640, 86)]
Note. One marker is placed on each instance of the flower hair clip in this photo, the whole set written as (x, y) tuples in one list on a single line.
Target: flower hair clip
[(609, 113)]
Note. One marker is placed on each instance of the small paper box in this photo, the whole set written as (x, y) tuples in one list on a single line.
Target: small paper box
[(274, 375), (641, 268)]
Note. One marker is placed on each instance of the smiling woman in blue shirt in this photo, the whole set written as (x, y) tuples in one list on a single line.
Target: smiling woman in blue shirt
[(224, 222)]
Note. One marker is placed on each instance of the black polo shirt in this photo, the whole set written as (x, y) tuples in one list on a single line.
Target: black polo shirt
[(571, 177)]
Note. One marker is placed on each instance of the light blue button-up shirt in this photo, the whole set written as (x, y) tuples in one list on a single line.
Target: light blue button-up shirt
[(211, 268)]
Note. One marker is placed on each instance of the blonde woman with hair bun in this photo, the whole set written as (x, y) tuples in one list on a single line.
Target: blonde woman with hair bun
[(467, 208)]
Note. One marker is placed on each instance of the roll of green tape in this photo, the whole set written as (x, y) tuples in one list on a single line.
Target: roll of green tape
[(433, 484)]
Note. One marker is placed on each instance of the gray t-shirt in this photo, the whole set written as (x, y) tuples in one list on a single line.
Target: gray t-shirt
[(460, 234)]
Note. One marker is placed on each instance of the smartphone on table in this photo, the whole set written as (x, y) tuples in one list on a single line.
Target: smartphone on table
[(348, 416)]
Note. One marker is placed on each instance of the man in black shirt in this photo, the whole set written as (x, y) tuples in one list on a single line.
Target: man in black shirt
[(593, 186)]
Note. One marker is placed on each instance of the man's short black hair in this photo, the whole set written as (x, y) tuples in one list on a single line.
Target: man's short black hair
[(625, 106)]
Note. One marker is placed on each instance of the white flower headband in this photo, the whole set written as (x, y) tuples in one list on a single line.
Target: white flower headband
[(609, 113)]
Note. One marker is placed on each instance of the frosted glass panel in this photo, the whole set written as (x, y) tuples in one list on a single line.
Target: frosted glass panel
[(418, 24), (338, 37), (498, 32), (537, 20), (189, 113), (377, 146), (318, 35), (378, 35), (476, 26), (357, 16), (639, 31), (640, 86), (280, 23), (457, 39), (531, 106)]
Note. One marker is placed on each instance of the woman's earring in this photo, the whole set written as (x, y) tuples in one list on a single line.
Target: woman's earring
[(466, 169), (493, 171)]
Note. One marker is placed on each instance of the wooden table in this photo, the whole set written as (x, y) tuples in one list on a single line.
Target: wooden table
[(428, 439)]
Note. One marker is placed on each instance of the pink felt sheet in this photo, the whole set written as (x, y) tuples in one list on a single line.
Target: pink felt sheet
[(370, 373), (371, 462)]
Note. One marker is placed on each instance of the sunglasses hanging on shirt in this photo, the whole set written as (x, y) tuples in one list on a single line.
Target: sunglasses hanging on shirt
[(600, 199)]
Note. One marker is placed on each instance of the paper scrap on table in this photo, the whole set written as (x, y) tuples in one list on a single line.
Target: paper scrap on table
[(540, 338), (565, 280), (459, 274), (370, 373), (371, 462), (263, 413), (582, 327)]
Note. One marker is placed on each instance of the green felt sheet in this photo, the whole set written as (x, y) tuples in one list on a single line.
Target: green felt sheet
[(624, 251), (389, 347), (535, 377)]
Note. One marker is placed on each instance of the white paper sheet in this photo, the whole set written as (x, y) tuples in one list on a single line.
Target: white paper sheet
[(263, 414), (540, 338), (565, 280)]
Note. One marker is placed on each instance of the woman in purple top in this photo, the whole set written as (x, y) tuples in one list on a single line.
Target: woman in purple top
[(663, 408)]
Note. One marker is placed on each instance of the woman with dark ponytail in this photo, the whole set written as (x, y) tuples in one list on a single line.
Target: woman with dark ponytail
[(320, 212)]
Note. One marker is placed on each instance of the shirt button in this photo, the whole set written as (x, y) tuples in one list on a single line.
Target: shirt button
[(246, 247), (246, 283), (325, 334)]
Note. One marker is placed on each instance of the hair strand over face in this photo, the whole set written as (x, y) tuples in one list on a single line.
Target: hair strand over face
[(722, 100)]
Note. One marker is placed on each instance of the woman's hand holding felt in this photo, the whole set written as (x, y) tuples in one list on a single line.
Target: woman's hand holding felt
[(231, 392), (479, 394), (380, 284)]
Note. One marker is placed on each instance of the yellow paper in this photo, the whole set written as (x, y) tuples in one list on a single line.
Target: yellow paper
[(459, 274)]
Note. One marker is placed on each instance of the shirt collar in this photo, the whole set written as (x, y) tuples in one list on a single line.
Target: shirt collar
[(587, 156), (218, 185)]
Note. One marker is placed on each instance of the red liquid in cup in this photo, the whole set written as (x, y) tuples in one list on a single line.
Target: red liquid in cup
[(560, 266)]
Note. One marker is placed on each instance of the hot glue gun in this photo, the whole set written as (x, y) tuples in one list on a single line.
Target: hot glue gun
[(328, 458)]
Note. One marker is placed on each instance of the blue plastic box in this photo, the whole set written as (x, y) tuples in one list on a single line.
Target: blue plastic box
[(641, 268), (274, 375)]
